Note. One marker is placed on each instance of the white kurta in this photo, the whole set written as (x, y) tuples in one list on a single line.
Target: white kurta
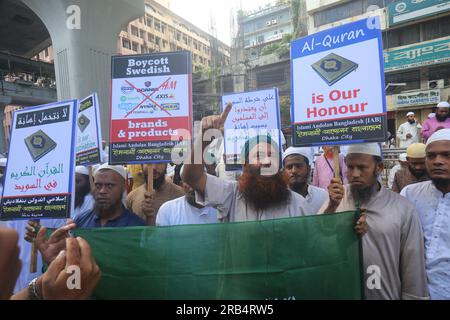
[(406, 128)]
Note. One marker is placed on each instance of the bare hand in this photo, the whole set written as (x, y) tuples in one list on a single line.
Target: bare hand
[(9, 262), (148, 205), (336, 192), (216, 121), (52, 247), (55, 283), (31, 230), (408, 136), (361, 226)]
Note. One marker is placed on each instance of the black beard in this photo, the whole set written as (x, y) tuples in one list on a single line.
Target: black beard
[(365, 194), (411, 121), (158, 182), (441, 118), (441, 183), (190, 198)]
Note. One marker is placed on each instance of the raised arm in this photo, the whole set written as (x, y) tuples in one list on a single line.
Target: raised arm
[(193, 173)]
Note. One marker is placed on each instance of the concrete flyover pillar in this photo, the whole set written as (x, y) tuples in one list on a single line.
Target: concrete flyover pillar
[(84, 35), (4, 101)]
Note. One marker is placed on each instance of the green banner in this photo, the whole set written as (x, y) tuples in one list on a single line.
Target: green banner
[(313, 257), (415, 56), (407, 10)]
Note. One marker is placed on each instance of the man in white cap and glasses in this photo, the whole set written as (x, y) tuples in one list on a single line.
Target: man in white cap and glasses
[(393, 249), (297, 168), (408, 132), (432, 201), (438, 122)]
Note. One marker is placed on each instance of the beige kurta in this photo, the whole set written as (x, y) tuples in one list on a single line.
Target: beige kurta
[(393, 243)]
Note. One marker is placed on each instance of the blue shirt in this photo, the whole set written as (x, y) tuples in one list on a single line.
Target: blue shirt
[(126, 219), (433, 208)]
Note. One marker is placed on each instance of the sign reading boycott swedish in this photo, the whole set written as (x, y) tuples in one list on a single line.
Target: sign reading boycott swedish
[(151, 109), (312, 257), (338, 94)]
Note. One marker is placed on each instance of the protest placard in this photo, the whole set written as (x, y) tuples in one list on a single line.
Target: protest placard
[(338, 90), (151, 107), (89, 137), (253, 113), (39, 177)]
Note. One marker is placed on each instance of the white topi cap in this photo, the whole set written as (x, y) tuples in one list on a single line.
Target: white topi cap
[(119, 169), (307, 152), (371, 148)]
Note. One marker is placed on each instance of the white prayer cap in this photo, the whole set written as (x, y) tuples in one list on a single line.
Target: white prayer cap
[(119, 169), (307, 152), (440, 135), (3, 162), (443, 104), (82, 170), (410, 114), (431, 115), (372, 149), (402, 156)]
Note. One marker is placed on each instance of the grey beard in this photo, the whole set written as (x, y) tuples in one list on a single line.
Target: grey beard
[(364, 195)]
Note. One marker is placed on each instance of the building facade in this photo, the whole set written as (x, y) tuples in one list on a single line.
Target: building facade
[(416, 42)]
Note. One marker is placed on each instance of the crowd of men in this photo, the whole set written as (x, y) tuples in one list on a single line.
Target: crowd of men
[(404, 229)]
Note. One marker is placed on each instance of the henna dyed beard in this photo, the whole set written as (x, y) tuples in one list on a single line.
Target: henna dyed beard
[(262, 192)]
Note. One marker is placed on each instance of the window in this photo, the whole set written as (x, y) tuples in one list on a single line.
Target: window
[(260, 39), (178, 36), (163, 28), (158, 41), (126, 43), (195, 45), (151, 38), (134, 31), (135, 47), (411, 78), (247, 43), (185, 39), (436, 28), (165, 43), (437, 73), (268, 78), (142, 34), (157, 25), (150, 21)]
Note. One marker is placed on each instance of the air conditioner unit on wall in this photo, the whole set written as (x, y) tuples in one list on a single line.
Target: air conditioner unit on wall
[(268, 23), (436, 84)]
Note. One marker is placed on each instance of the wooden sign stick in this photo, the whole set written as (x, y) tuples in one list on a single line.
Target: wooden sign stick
[(337, 174), (34, 252)]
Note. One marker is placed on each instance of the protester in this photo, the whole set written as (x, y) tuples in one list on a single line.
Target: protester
[(52, 285), (409, 131), (415, 171), (297, 167), (84, 200), (393, 244), (439, 121), (402, 163), (261, 193), (146, 204), (324, 168), (109, 211), (432, 202), (185, 210)]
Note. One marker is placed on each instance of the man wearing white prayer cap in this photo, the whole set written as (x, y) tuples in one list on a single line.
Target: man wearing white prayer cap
[(408, 132), (402, 163), (393, 245), (297, 168), (84, 200), (109, 211), (432, 201), (440, 121)]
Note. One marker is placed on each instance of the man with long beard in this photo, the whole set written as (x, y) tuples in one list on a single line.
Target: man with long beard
[(432, 202), (393, 249), (408, 132), (438, 122), (261, 192), (146, 204)]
